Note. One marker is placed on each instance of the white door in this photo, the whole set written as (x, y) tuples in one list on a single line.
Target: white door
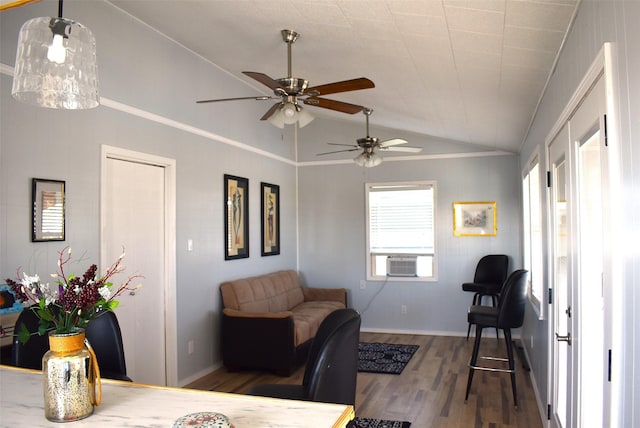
[(561, 393), (587, 145), (577, 157), (134, 218)]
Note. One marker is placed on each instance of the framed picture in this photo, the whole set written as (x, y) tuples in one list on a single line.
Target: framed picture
[(47, 210), (236, 217), (270, 219), (474, 219)]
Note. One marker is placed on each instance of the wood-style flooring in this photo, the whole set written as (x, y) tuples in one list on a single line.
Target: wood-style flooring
[(429, 392)]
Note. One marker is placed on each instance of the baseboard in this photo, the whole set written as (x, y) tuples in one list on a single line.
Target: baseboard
[(425, 333), (416, 332), (198, 375), (542, 408)]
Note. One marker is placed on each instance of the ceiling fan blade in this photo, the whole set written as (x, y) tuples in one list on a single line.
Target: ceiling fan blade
[(393, 142), (264, 79), (340, 106), (271, 111), (9, 4), (346, 145), (237, 98), (402, 149), (344, 86), (338, 151)]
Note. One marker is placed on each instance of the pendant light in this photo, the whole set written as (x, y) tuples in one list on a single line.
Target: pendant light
[(56, 64)]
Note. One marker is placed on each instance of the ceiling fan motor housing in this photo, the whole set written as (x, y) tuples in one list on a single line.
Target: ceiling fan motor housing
[(293, 86)]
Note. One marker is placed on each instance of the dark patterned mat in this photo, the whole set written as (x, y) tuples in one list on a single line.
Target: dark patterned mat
[(378, 423), (388, 358)]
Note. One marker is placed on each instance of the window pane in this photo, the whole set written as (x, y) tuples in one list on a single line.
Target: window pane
[(401, 221)]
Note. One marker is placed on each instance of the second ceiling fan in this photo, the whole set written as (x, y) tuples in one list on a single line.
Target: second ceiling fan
[(291, 90), (371, 145)]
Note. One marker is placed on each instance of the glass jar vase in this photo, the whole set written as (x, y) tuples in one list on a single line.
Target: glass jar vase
[(69, 378)]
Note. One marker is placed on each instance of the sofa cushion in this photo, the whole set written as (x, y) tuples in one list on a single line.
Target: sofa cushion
[(274, 292), (307, 318)]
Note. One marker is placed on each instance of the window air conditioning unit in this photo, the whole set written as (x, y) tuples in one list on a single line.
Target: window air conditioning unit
[(402, 266)]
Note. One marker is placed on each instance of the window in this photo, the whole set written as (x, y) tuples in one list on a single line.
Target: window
[(401, 231), (532, 216)]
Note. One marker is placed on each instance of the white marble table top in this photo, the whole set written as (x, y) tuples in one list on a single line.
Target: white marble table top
[(126, 404)]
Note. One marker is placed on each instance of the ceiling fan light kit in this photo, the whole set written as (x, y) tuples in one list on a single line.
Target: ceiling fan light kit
[(56, 64), (368, 160), (291, 90)]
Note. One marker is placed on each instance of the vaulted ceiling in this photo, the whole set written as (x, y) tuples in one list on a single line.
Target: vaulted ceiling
[(467, 70)]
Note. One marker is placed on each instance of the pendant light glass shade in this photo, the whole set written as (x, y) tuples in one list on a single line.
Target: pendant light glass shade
[(368, 160), (290, 113), (56, 65)]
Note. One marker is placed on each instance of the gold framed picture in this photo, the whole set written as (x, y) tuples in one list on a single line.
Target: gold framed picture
[(474, 219)]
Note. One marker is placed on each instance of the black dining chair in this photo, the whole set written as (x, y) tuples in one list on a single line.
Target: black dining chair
[(105, 337), (507, 315), (331, 371), (491, 272), (28, 355)]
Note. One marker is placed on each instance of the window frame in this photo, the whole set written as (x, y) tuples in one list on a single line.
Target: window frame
[(535, 279), (370, 275)]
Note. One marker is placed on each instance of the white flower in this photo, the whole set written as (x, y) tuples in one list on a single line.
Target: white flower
[(104, 292)]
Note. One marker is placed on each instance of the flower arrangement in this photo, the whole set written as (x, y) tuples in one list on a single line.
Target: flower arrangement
[(72, 301)]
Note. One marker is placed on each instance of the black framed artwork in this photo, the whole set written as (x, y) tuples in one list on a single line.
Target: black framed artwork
[(236, 217), (270, 199), (47, 210)]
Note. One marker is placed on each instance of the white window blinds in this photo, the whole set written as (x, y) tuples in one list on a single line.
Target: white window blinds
[(401, 219)]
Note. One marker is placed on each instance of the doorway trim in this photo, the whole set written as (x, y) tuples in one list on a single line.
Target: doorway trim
[(170, 292)]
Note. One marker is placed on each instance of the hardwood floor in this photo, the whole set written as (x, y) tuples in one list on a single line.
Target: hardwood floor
[(429, 392)]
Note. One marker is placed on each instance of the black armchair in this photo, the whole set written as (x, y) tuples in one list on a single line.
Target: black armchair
[(332, 365), (105, 337), (29, 355)]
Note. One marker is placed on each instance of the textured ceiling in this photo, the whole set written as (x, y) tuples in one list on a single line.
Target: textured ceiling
[(466, 70)]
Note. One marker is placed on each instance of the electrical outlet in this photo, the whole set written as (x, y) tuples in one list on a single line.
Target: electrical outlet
[(363, 284), (191, 347), (403, 309)]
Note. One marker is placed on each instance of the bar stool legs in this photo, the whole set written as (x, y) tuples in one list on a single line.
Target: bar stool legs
[(473, 363)]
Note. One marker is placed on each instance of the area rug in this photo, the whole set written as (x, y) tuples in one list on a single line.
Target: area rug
[(388, 358), (378, 423)]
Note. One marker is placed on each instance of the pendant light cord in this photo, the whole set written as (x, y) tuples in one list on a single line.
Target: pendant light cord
[(60, 9)]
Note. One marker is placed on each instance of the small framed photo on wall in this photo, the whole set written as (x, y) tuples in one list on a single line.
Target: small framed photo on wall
[(270, 219), (47, 210), (474, 219)]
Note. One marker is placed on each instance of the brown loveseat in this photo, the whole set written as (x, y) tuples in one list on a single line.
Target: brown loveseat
[(269, 321)]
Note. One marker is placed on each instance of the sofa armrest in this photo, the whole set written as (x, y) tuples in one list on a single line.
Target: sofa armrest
[(325, 294)]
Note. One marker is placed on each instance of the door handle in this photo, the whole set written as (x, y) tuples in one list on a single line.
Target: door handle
[(566, 338)]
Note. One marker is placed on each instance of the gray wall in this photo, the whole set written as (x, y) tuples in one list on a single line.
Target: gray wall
[(598, 22), (141, 69), (332, 226)]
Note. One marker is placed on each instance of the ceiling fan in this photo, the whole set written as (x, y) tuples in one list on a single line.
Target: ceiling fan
[(291, 90), (370, 145)]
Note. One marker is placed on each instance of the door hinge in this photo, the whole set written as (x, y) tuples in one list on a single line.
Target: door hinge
[(609, 369), (548, 412), (551, 296), (549, 179), (606, 134)]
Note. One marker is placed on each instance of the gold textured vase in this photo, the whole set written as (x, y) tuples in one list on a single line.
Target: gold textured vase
[(70, 377)]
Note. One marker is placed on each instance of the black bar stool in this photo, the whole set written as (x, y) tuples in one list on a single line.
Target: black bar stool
[(491, 272), (507, 315)]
